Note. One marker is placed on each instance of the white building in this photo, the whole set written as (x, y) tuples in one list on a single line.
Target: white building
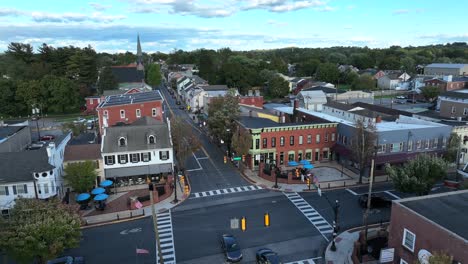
[(312, 100)]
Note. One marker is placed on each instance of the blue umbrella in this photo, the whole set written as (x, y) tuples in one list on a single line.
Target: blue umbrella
[(106, 183), (308, 166), (82, 197), (292, 163), (304, 162), (101, 197), (98, 191)]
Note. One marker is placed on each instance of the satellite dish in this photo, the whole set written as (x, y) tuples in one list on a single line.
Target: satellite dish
[(423, 256)]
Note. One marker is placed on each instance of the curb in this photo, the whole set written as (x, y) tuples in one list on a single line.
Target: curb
[(114, 222)]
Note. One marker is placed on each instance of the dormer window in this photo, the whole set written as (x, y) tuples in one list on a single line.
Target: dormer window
[(151, 140), (122, 142)]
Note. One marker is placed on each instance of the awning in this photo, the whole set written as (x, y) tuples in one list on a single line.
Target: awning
[(138, 170)]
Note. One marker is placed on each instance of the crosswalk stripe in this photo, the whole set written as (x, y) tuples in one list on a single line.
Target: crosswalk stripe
[(226, 191), (166, 238), (305, 261)]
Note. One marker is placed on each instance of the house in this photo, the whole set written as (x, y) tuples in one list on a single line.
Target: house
[(392, 81), (127, 108), (448, 83), (85, 152), (399, 135), (312, 100), (131, 74), (377, 75), (139, 150), (283, 142), (35, 172), (14, 138), (453, 104), (254, 100), (211, 92), (429, 224), (453, 69), (343, 95)]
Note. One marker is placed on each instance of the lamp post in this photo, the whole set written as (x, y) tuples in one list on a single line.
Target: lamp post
[(335, 225), (277, 171), (175, 187)]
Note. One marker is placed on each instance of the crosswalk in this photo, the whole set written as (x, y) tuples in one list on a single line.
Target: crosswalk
[(227, 191), (166, 238), (304, 261), (314, 217)]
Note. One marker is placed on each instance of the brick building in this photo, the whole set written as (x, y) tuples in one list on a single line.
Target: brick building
[(283, 142), (453, 104), (255, 101), (127, 108), (434, 223), (447, 83)]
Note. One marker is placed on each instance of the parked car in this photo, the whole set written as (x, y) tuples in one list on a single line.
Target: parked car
[(79, 120), (182, 107), (89, 125), (377, 201), (178, 102), (67, 260), (47, 137), (411, 101), (231, 248), (267, 256), (400, 97), (400, 101)]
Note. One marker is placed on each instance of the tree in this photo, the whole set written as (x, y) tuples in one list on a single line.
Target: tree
[(8, 103), (81, 176), (76, 129), (21, 51), (154, 75), (63, 94), (408, 64), (32, 94), (107, 80), (363, 145), (363, 82), (184, 140), (241, 141), (453, 147), (328, 72), (307, 68), (440, 258), (430, 93), (278, 87), (39, 230), (418, 175)]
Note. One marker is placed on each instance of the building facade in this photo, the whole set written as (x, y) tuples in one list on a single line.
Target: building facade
[(83, 153), (432, 223), (453, 105), (446, 69)]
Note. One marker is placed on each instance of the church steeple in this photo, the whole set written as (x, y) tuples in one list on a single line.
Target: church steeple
[(139, 55)]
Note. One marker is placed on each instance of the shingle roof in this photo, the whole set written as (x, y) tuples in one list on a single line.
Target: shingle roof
[(345, 107), (325, 89), (258, 122), (219, 87), (19, 166), (454, 94), (447, 65), (82, 152), (137, 136), (7, 131), (381, 109), (128, 74)]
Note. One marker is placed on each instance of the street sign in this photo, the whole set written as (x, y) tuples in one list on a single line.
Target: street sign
[(387, 255), (237, 158), (234, 223)]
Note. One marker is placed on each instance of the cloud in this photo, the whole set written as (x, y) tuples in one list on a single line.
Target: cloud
[(443, 38), (277, 23), (10, 12), (99, 7), (348, 27), (401, 11), (326, 9), (74, 17), (296, 5)]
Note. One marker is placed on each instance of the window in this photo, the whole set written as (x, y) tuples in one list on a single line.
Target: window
[(4, 190), (453, 109), (409, 239), (410, 145), (122, 113), (401, 146), (273, 142), (317, 138), (435, 143), (110, 160), (46, 188), (257, 143), (309, 139), (151, 139), (291, 140), (154, 112), (418, 144), (300, 140), (382, 148), (326, 137), (163, 155), (123, 159), (333, 137), (264, 142), (106, 113), (122, 142), (281, 158), (308, 155), (290, 156), (135, 157), (91, 101), (138, 113), (444, 142), (426, 146), (145, 157), (282, 141)]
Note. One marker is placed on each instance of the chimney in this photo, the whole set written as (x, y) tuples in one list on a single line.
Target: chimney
[(50, 148), (296, 104), (378, 119), (250, 93), (257, 92), (281, 118)]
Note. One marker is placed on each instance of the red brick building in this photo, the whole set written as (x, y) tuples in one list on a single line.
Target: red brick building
[(127, 108), (92, 102), (255, 101), (279, 143), (448, 83), (436, 223)]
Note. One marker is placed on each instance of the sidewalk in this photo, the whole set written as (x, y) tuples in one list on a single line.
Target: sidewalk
[(125, 215)]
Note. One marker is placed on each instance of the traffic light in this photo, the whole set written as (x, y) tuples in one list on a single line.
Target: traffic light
[(186, 189), (308, 182), (225, 159), (243, 158), (182, 179), (266, 219), (243, 223), (297, 173)]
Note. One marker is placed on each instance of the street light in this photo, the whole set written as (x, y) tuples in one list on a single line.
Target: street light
[(335, 225)]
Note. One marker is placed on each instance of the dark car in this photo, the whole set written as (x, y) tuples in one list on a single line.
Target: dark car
[(377, 201), (182, 107), (411, 101), (231, 248), (267, 256), (177, 103), (67, 260), (47, 137)]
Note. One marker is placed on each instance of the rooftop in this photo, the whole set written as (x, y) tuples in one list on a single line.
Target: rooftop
[(8, 131), (447, 210), (82, 152), (134, 98), (447, 65), (381, 109), (462, 94), (258, 122), (219, 87), (127, 74), (325, 89), (20, 166)]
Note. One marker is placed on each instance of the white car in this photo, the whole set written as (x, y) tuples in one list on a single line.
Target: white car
[(79, 120)]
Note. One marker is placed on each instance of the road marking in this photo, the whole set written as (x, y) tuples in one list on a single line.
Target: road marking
[(166, 238), (352, 192), (314, 217), (227, 191), (128, 231), (304, 261), (393, 195), (202, 158)]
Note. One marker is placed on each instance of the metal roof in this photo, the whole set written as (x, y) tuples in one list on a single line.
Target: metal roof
[(447, 65), (133, 98)]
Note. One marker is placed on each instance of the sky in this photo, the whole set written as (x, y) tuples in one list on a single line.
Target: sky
[(165, 25)]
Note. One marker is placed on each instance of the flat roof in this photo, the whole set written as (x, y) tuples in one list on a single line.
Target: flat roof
[(447, 65), (447, 210), (133, 98), (258, 122)]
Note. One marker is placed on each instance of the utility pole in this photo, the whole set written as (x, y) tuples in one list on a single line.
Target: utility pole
[(369, 198), (155, 225)]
